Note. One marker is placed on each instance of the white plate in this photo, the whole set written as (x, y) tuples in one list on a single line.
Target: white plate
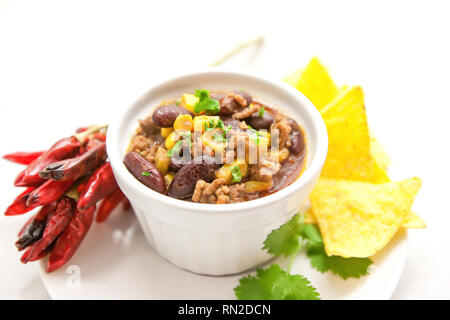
[(115, 262)]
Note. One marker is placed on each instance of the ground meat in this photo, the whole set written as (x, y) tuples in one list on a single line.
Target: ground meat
[(218, 192), (243, 125), (239, 99), (247, 112), (150, 153), (284, 130), (264, 170), (140, 143)]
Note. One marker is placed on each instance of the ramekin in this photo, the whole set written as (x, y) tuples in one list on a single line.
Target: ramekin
[(216, 239)]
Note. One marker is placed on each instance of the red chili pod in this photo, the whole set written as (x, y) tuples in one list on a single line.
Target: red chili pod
[(74, 168), (100, 184), (47, 192), (56, 223), (23, 157), (35, 227), (70, 239), (64, 148), (108, 204), (19, 206)]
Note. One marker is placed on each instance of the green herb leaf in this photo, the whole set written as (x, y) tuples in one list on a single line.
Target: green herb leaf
[(286, 239), (274, 283), (146, 173), (261, 111), (236, 173), (178, 102), (205, 103), (176, 149), (218, 137)]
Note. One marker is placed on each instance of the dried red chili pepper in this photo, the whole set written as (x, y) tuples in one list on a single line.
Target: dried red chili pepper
[(19, 205), (64, 148), (35, 227), (69, 240), (100, 184), (42, 254), (108, 204), (56, 223), (99, 136), (74, 168), (23, 157), (47, 192)]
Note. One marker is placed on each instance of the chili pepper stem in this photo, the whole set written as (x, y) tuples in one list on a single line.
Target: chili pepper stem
[(258, 40), (90, 130)]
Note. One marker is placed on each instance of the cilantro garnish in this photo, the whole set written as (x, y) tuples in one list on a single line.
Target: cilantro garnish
[(146, 173), (274, 283), (177, 102), (205, 103), (261, 111), (236, 173), (286, 239), (219, 138), (176, 149)]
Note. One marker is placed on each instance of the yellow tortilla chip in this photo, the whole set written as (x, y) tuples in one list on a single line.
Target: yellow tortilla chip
[(349, 154), (358, 219), (309, 217), (378, 153), (413, 221), (316, 84), (293, 77)]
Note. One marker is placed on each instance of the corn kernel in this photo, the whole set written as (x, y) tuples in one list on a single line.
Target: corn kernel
[(188, 101), (225, 171), (214, 140), (166, 131), (169, 177), (162, 160), (257, 186), (203, 122), (184, 122), (283, 154), (171, 139)]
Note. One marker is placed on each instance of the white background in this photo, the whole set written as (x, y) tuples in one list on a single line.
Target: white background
[(68, 64)]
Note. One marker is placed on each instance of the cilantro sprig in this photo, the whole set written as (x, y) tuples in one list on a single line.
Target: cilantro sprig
[(261, 111), (205, 103), (275, 283), (236, 173)]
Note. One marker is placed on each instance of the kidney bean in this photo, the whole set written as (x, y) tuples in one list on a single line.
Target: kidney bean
[(297, 139), (176, 163), (258, 122), (217, 96), (227, 106), (164, 116), (145, 172), (183, 184)]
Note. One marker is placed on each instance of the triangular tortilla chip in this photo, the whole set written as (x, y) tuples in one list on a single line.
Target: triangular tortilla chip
[(316, 84), (413, 221), (349, 155), (293, 77), (358, 219)]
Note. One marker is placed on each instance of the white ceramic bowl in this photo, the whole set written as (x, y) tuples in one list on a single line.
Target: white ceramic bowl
[(216, 239)]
